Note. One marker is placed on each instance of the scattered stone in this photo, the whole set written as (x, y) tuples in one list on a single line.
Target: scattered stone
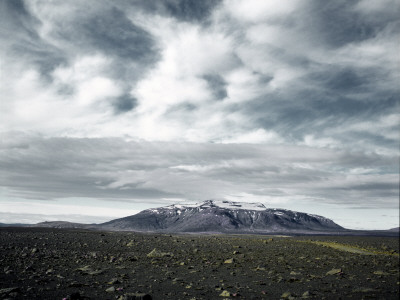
[(334, 272), (157, 253), (294, 273), (63, 267), (306, 294), (286, 295), (110, 290), (87, 270), (135, 296), (380, 273), (6, 291), (114, 281), (364, 290), (225, 293)]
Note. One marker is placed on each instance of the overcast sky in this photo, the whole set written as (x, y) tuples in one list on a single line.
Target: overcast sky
[(111, 107)]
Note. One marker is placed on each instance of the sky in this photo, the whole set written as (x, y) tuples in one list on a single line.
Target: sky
[(111, 107)]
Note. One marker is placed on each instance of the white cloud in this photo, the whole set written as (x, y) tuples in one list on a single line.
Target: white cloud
[(256, 11), (259, 136), (311, 141)]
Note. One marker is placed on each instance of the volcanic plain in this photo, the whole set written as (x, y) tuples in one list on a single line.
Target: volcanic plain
[(45, 263)]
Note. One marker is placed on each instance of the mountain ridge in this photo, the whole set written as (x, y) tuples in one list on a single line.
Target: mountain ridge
[(222, 216)]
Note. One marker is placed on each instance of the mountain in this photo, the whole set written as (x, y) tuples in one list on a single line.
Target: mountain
[(222, 216)]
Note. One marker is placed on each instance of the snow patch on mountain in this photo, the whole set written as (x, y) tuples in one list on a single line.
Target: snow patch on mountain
[(221, 204)]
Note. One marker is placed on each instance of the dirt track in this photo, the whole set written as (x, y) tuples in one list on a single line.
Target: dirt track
[(58, 264)]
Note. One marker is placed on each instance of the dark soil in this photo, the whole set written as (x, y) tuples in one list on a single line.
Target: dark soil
[(76, 264)]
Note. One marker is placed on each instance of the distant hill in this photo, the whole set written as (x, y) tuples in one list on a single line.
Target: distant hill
[(13, 225), (395, 229), (64, 224)]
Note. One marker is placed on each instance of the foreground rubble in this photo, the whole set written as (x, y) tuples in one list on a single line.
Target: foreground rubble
[(76, 264)]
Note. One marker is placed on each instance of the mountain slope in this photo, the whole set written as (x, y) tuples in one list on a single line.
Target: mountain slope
[(222, 216)]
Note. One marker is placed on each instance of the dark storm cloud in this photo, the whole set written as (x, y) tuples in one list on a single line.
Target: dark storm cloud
[(337, 23), (329, 98), (189, 10), (21, 41), (317, 113), (114, 34), (125, 103), (182, 10), (331, 45), (217, 85), (101, 29), (14, 16)]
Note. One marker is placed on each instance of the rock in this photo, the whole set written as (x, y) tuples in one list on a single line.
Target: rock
[(157, 253), (229, 261), (6, 291), (364, 290), (110, 290), (380, 273), (294, 273), (334, 272), (114, 281), (225, 293), (87, 270), (306, 294), (135, 296), (286, 295)]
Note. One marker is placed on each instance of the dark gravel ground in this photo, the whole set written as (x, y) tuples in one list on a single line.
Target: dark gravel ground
[(76, 264)]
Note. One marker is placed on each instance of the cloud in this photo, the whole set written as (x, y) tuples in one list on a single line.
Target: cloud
[(229, 70), (43, 168), (216, 94)]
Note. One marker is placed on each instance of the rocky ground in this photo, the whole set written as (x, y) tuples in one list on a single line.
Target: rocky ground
[(40, 263)]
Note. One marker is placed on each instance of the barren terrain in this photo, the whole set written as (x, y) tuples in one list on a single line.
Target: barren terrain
[(42, 263)]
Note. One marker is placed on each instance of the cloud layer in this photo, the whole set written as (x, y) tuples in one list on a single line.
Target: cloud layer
[(179, 99)]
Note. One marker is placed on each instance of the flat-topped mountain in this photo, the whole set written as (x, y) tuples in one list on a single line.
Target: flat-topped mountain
[(222, 216)]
